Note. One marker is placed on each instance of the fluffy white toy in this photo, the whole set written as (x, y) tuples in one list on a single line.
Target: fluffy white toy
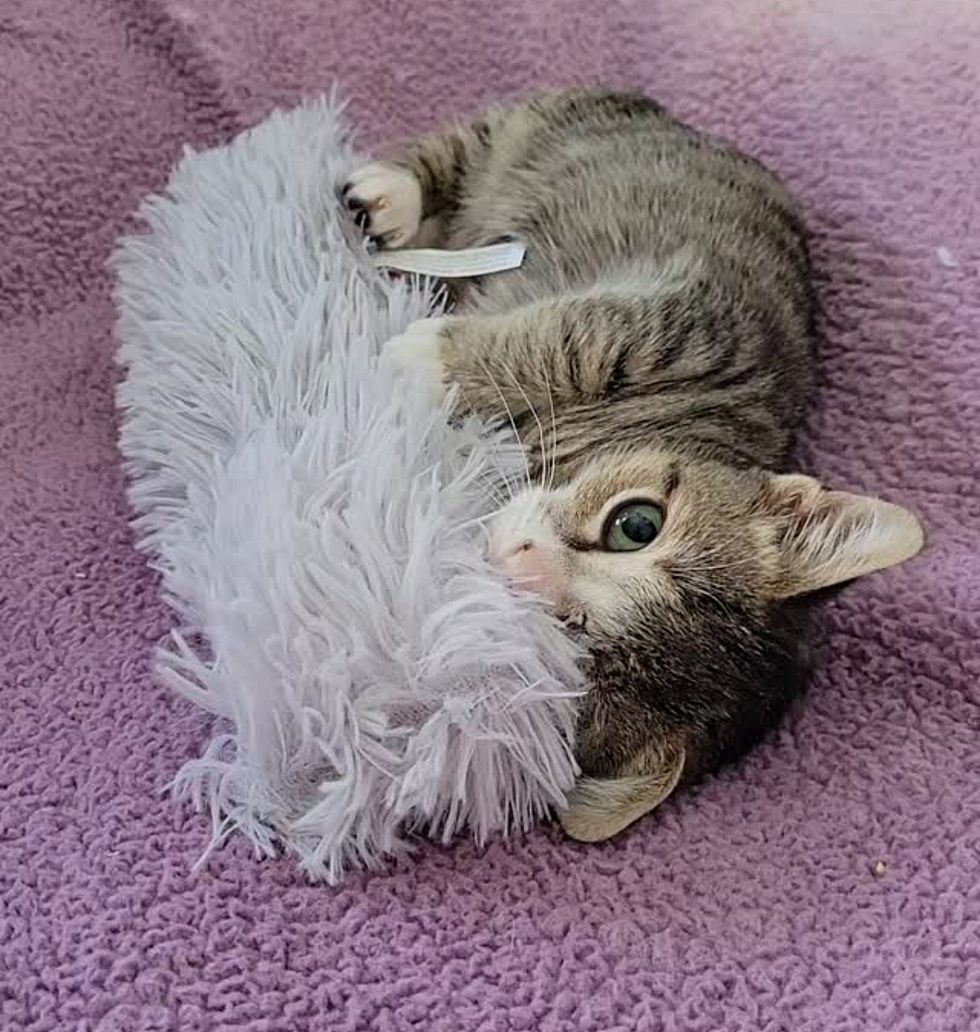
[(318, 525)]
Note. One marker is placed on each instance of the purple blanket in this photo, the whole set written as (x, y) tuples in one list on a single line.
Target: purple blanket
[(831, 881)]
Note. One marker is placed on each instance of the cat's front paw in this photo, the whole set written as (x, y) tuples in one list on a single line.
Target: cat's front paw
[(386, 202), (419, 348)]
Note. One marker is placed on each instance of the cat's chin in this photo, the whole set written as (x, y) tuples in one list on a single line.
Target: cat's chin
[(574, 618), (576, 629)]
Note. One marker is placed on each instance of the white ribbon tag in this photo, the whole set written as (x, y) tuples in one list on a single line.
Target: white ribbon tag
[(472, 261)]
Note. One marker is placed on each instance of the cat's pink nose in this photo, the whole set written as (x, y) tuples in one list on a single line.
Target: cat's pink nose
[(527, 565), (499, 555)]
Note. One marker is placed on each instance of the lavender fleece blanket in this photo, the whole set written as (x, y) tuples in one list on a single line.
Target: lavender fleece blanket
[(829, 882)]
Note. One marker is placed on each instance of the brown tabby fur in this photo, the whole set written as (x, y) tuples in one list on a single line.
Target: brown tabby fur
[(659, 342)]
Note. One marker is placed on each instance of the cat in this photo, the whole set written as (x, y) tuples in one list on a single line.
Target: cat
[(655, 353)]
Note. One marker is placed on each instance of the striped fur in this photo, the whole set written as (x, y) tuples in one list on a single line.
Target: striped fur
[(659, 340)]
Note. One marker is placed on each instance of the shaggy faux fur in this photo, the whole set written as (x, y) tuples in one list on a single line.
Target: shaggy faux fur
[(318, 525)]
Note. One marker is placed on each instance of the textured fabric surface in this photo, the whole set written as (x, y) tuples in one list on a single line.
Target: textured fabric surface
[(750, 904)]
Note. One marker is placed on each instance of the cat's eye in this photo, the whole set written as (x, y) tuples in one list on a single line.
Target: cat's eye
[(632, 526)]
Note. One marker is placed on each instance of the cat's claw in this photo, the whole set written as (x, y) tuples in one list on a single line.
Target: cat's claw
[(419, 348), (386, 203)]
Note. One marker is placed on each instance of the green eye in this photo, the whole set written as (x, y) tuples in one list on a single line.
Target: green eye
[(632, 526)]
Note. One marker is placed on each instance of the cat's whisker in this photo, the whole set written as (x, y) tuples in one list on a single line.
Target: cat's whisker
[(519, 582), (502, 484), (479, 521), (554, 431), (489, 482), (733, 564), (499, 484), (511, 420), (537, 420), (497, 495), (726, 550)]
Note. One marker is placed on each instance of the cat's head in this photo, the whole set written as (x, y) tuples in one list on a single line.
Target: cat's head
[(685, 577)]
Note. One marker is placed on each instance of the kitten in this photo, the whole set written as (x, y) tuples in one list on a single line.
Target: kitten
[(655, 352)]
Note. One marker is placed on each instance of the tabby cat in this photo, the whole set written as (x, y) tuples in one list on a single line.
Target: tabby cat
[(654, 352)]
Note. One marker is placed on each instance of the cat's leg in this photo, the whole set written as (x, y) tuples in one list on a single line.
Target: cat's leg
[(391, 200), (578, 349)]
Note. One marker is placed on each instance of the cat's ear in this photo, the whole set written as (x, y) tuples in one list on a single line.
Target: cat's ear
[(827, 537), (599, 808)]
